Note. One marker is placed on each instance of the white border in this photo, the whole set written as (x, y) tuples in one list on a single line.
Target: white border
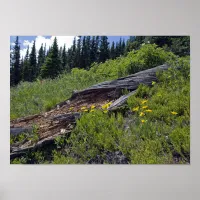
[(72, 17)]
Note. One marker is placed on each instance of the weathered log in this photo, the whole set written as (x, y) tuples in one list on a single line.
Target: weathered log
[(20, 130), (113, 89), (69, 117), (121, 101), (19, 151)]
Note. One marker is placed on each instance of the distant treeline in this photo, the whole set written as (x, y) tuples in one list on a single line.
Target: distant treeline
[(49, 63)]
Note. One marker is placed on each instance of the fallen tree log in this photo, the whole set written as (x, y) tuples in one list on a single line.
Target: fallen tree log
[(113, 89), (19, 130), (121, 101)]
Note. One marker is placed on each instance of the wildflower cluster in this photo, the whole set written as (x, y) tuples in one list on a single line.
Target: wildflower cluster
[(106, 106), (143, 108)]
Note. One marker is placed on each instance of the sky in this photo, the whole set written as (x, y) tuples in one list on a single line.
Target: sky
[(26, 41)]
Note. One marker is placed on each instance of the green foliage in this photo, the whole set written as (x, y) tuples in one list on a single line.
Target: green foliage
[(95, 133), (60, 141), (59, 158)]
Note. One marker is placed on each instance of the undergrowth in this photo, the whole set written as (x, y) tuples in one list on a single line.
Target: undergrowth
[(154, 130)]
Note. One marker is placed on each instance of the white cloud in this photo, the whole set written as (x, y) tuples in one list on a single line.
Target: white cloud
[(67, 40)]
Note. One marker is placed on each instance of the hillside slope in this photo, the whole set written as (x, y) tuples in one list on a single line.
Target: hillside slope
[(152, 127)]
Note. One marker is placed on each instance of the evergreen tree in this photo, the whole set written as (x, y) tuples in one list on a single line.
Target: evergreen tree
[(104, 49), (120, 47), (33, 63), (45, 49), (69, 59), (123, 47), (88, 50), (93, 50), (41, 58), (11, 68), (26, 68), (16, 71), (52, 66), (73, 56), (112, 51), (64, 58), (97, 49), (83, 53), (78, 53), (117, 50)]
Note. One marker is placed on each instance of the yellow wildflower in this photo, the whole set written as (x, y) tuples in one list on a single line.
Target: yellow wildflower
[(142, 114), (71, 108), (92, 106), (144, 107), (105, 106), (143, 120), (86, 110), (174, 113), (153, 82), (109, 103), (144, 101), (105, 111), (83, 108), (136, 108), (148, 110), (92, 110)]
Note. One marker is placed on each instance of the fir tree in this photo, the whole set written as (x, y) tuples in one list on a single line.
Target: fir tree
[(78, 53), (41, 58), (93, 50), (64, 58), (112, 51), (97, 50), (83, 53), (33, 63), (104, 49), (26, 69), (88, 50), (52, 66), (16, 71)]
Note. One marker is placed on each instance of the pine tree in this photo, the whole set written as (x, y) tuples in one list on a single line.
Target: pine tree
[(83, 53), (33, 63), (93, 50), (45, 49), (117, 50), (120, 46), (64, 58), (11, 68), (88, 50), (123, 47), (52, 66), (78, 53), (16, 63), (104, 49), (112, 51), (26, 69), (73, 56), (97, 49), (41, 59)]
